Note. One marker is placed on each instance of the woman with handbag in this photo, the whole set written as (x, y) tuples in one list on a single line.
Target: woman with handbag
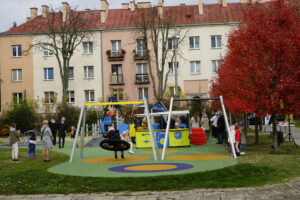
[(46, 140)]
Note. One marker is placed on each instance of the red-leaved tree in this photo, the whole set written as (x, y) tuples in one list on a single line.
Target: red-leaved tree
[(261, 71)]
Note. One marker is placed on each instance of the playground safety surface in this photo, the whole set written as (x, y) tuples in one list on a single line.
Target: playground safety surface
[(97, 162)]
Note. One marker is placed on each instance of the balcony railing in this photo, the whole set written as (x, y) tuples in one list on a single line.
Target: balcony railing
[(142, 79), (115, 55), (116, 79), (140, 54)]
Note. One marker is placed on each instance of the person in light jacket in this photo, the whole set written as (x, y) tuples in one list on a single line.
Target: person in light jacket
[(47, 139), (13, 141), (205, 123)]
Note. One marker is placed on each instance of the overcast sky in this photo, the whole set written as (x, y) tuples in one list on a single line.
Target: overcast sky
[(18, 10)]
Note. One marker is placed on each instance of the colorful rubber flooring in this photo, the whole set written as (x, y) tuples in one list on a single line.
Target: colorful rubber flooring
[(100, 163)]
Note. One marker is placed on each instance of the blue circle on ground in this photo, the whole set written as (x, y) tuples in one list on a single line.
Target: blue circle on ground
[(178, 135), (179, 166)]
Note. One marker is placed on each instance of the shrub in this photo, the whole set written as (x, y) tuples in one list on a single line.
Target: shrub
[(70, 112)]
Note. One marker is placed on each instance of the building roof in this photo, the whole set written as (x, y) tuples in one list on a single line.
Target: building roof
[(122, 18)]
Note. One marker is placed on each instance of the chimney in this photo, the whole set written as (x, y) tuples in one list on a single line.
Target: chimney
[(220, 2), (28, 19), (160, 8), (245, 1), (103, 16), (253, 1), (33, 13), (65, 9), (224, 3), (45, 11), (261, 1), (144, 4), (200, 7), (132, 6), (104, 5), (125, 6), (87, 9)]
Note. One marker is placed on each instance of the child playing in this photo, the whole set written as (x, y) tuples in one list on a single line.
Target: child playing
[(237, 139), (125, 137), (32, 142), (114, 135)]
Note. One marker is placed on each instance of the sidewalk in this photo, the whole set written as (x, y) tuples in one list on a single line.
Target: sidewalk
[(289, 190)]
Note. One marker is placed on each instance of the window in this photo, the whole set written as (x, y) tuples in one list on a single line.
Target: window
[(173, 43), (118, 93), (89, 95), (116, 48), (17, 97), (142, 92), (49, 97), (88, 71), (172, 90), (116, 74), (172, 68), (71, 97), (48, 50), (194, 42), (141, 68), (71, 73), (215, 65), (48, 74), (195, 67), (87, 47), (216, 41), (16, 51), (140, 48), (16, 75)]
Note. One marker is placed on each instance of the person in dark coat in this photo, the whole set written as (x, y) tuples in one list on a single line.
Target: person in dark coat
[(62, 127), (53, 127), (172, 123), (221, 128), (114, 135), (162, 122)]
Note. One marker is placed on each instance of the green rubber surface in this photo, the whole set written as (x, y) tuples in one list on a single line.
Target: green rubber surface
[(80, 168)]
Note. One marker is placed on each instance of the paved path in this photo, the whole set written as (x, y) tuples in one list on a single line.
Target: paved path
[(289, 190)]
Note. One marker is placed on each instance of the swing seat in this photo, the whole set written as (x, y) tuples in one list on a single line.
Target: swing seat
[(114, 145)]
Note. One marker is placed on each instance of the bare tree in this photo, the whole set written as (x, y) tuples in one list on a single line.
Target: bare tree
[(64, 30), (157, 30)]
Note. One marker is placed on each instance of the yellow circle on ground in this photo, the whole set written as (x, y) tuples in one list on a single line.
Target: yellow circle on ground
[(160, 151), (113, 160), (150, 167), (199, 157)]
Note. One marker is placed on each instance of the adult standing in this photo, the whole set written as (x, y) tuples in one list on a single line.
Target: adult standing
[(53, 127), (13, 141), (243, 136), (221, 128), (46, 140), (195, 120), (214, 124), (62, 132), (205, 124)]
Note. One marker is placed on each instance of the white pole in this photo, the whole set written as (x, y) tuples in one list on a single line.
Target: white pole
[(82, 134), (154, 149), (77, 131), (227, 126), (167, 131), (87, 135), (117, 118)]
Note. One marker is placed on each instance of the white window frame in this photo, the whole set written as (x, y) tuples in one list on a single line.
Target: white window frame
[(19, 75), (194, 42), (140, 47), (116, 92), (86, 72), (18, 96), (88, 95), (172, 72), (48, 50), (69, 94), (17, 51), (215, 64), (50, 96), (117, 49), (143, 67), (143, 93), (174, 44), (193, 67), (88, 47), (47, 74), (71, 78), (215, 45)]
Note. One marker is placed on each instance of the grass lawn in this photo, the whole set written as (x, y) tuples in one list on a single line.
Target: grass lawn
[(258, 167), (297, 123)]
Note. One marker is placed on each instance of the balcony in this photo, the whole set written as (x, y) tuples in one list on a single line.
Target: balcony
[(115, 55), (142, 79), (116, 79), (140, 55)]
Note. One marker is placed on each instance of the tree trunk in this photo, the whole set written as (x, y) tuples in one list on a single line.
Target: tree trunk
[(256, 131), (275, 138), (246, 124), (65, 84)]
